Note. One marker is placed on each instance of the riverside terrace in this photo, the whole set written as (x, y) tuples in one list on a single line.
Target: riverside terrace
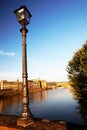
[(10, 123)]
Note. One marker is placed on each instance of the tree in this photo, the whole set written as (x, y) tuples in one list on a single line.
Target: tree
[(77, 67), (77, 74)]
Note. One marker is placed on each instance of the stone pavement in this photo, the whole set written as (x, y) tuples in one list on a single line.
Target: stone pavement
[(10, 123)]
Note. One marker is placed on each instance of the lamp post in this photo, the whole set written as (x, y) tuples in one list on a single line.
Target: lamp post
[(23, 16)]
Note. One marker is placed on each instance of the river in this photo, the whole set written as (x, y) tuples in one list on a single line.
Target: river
[(58, 104)]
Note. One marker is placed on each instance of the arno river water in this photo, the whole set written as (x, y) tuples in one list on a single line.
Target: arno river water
[(58, 104)]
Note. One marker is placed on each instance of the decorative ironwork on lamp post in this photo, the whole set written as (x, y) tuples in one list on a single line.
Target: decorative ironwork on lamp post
[(23, 16)]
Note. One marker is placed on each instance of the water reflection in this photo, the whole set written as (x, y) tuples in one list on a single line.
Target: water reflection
[(57, 104), (1, 105), (37, 97), (11, 105), (81, 96)]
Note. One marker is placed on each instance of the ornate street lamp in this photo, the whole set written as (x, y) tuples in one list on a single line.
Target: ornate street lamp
[(23, 17)]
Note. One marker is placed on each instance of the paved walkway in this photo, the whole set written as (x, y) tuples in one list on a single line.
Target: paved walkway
[(10, 123)]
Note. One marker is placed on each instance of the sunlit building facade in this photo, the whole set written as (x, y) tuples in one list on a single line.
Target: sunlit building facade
[(17, 85), (10, 85)]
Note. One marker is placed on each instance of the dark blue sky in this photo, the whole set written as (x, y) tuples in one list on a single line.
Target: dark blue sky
[(56, 30)]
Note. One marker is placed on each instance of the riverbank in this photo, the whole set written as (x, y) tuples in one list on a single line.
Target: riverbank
[(8, 122), (8, 93), (36, 90)]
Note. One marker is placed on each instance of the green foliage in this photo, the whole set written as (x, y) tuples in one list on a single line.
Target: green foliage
[(77, 74), (77, 67)]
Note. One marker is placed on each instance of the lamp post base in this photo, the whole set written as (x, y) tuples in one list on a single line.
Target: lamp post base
[(25, 122)]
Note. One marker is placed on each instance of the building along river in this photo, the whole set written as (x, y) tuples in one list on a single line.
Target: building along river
[(58, 104)]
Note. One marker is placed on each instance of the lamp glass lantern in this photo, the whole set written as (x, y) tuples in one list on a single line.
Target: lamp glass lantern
[(23, 15)]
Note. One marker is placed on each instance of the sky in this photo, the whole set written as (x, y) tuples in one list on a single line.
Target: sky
[(56, 30)]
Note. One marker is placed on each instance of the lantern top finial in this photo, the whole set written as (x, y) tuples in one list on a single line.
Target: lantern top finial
[(23, 15)]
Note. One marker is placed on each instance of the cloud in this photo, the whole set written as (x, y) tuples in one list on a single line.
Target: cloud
[(7, 53)]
